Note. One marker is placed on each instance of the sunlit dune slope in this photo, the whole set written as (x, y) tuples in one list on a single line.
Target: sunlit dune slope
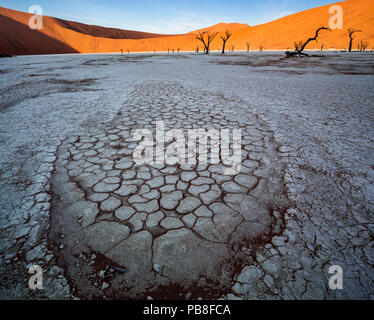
[(222, 27), (60, 36), (282, 33)]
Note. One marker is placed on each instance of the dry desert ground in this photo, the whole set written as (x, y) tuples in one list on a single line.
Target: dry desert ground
[(74, 202)]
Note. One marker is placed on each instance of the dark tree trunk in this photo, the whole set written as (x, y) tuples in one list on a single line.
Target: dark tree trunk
[(300, 47), (223, 47), (351, 32), (206, 42), (224, 40)]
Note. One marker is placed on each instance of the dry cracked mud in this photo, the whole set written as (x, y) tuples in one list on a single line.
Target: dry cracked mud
[(148, 227), (74, 202)]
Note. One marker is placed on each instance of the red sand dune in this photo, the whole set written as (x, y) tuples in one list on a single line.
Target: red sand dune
[(60, 36), (222, 27)]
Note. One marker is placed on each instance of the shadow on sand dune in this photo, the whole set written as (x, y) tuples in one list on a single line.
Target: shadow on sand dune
[(18, 39), (110, 33)]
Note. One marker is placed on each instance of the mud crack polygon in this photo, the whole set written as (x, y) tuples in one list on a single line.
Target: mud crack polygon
[(123, 230)]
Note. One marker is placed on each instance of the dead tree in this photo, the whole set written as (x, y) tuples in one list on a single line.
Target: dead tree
[(351, 32), (224, 40), (197, 49), (248, 46), (362, 45), (179, 49), (300, 47), (261, 48), (206, 42), (233, 48), (322, 46)]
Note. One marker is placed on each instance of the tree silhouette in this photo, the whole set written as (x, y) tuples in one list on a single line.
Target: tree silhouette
[(314, 38), (300, 46), (224, 40), (351, 32), (362, 45), (248, 46), (206, 42)]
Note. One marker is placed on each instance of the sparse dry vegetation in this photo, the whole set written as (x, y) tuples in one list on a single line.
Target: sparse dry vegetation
[(300, 46), (225, 38), (248, 46), (362, 46), (351, 32), (206, 39)]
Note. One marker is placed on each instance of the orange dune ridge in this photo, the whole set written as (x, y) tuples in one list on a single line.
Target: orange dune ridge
[(61, 36)]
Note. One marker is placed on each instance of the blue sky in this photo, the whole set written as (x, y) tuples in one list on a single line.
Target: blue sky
[(177, 16)]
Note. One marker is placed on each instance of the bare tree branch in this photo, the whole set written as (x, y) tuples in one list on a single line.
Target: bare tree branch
[(224, 40), (206, 42), (248, 46), (362, 45), (351, 32), (313, 39), (300, 46)]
